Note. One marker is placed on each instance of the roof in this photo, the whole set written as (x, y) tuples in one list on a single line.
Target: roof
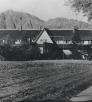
[(85, 34), (38, 36), (41, 32), (16, 34), (61, 34), (68, 34), (54, 34), (6, 37)]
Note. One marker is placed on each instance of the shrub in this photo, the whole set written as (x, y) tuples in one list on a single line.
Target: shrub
[(20, 53)]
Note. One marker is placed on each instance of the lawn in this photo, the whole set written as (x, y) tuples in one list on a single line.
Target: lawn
[(40, 80)]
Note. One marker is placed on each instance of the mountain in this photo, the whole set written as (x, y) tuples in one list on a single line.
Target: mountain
[(64, 23), (13, 20)]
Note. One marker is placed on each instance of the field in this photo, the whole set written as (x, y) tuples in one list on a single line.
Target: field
[(40, 80)]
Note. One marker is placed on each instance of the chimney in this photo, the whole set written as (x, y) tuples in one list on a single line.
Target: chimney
[(42, 27), (76, 28)]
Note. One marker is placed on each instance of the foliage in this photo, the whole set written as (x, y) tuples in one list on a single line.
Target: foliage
[(89, 51), (33, 52), (76, 37), (76, 40), (52, 51), (84, 6), (20, 53)]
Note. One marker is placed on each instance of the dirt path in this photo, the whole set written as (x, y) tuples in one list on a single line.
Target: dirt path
[(85, 95)]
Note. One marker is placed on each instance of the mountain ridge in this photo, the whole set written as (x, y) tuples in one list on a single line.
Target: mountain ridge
[(14, 20)]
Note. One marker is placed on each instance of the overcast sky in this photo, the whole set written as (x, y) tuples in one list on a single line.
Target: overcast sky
[(44, 9)]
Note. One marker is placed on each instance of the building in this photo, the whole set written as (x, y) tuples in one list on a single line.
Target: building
[(63, 36), (46, 39), (58, 36)]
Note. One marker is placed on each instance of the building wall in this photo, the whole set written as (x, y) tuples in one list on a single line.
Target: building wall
[(64, 42), (18, 42), (87, 42), (44, 38)]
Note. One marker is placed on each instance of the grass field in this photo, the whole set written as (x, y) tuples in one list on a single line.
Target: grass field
[(39, 80)]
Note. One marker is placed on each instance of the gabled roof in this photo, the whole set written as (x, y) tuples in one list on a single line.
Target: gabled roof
[(68, 34), (41, 32), (38, 36)]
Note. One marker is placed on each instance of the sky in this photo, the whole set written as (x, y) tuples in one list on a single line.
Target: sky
[(44, 9)]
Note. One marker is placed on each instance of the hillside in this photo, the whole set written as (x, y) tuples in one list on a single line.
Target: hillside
[(64, 23), (13, 20)]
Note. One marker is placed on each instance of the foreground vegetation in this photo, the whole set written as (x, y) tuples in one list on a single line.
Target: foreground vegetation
[(40, 80)]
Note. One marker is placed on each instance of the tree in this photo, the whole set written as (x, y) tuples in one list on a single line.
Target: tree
[(76, 37), (33, 52), (84, 6)]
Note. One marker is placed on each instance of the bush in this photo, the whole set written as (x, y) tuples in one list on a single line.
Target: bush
[(52, 51), (20, 53)]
